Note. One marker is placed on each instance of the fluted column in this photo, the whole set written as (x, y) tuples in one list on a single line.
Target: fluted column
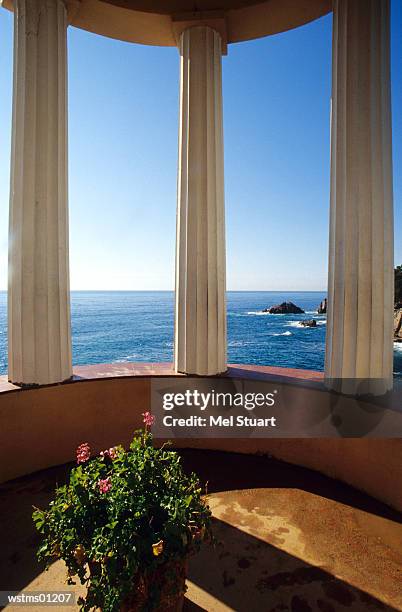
[(360, 309), (38, 294), (200, 326)]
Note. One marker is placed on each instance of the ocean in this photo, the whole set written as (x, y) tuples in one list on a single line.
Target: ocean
[(122, 326)]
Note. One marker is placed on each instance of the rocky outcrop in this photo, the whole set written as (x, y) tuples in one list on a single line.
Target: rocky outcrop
[(322, 309), (284, 308), (309, 323), (398, 325)]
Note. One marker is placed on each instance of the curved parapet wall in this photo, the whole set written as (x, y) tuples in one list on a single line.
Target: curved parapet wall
[(41, 427), (150, 23)]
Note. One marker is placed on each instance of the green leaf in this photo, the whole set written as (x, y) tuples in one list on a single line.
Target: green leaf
[(112, 525), (38, 517)]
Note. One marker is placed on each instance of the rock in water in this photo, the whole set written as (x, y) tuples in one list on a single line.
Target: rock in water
[(284, 308), (309, 323), (398, 325), (322, 309)]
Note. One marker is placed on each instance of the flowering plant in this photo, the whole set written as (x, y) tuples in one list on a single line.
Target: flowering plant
[(123, 516)]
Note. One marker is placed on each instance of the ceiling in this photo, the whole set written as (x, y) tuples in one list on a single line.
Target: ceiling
[(168, 7), (150, 22)]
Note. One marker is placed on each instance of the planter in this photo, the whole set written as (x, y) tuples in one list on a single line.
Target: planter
[(170, 580), (134, 516)]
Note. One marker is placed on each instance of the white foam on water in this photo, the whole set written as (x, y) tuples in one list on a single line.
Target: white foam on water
[(286, 333), (270, 314), (127, 358), (300, 326), (258, 313)]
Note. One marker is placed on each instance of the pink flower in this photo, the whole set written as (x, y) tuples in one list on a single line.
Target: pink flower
[(83, 452), (113, 452), (104, 485), (149, 419), (110, 453)]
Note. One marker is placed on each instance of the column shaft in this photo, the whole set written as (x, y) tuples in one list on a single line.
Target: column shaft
[(200, 326), (360, 309), (38, 294)]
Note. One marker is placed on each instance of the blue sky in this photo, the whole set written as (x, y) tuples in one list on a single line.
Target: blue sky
[(123, 122)]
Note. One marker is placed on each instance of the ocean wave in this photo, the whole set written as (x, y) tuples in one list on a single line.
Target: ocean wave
[(286, 333), (257, 312), (127, 358), (300, 326), (269, 314)]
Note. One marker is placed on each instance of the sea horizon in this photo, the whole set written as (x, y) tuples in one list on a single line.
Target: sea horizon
[(137, 325)]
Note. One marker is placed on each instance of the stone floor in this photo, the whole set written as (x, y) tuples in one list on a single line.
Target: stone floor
[(289, 539)]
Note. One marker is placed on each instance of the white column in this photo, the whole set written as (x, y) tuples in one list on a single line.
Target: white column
[(200, 331), (38, 294), (360, 309)]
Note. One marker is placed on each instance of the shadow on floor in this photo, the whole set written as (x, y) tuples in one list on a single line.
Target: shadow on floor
[(245, 574), (230, 471)]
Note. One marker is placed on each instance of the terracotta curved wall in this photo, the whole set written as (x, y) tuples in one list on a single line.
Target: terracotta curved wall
[(42, 427)]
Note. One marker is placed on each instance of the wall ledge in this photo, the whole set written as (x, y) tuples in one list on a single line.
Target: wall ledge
[(165, 369)]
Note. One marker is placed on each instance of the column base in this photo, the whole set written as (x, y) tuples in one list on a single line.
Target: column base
[(359, 387), (37, 385), (223, 373)]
